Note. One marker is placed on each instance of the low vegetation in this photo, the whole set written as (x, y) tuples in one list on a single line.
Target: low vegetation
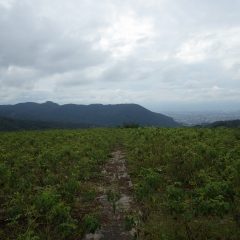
[(49, 182), (186, 182)]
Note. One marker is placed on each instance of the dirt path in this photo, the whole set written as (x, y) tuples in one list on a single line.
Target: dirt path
[(116, 202)]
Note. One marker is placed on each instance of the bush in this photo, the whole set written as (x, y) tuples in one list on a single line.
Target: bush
[(91, 223)]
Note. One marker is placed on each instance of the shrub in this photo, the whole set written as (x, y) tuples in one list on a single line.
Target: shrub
[(91, 223)]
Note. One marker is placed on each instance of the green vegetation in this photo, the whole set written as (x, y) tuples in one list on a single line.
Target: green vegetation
[(11, 124), (49, 182), (113, 197), (186, 182)]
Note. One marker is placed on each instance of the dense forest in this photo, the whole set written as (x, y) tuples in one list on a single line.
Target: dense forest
[(186, 182), (11, 124)]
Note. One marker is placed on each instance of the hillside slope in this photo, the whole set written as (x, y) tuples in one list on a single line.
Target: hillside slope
[(94, 115), (9, 124), (227, 124)]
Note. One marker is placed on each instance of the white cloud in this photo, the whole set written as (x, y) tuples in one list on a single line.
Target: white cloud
[(146, 52), (126, 33), (17, 77), (6, 3), (221, 44), (195, 50)]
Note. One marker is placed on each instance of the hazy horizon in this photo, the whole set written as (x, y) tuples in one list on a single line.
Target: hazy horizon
[(166, 55)]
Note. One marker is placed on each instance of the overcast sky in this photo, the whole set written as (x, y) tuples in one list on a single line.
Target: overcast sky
[(164, 54)]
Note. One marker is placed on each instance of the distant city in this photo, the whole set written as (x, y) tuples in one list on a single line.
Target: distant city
[(195, 118)]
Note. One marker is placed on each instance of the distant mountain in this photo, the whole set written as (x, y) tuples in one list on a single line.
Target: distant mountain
[(94, 115), (228, 124), (9, 124)]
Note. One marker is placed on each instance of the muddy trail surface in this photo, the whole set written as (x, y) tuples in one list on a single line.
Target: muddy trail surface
[(117, 208)]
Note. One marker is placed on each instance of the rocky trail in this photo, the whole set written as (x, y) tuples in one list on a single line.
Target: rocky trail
[(117, 208)]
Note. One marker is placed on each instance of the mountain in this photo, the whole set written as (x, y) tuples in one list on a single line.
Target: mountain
[(94, 114)]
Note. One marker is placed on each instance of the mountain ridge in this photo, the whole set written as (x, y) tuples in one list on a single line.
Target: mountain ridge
[(93, 114)]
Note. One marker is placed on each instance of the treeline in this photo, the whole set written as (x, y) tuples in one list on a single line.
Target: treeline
[(10, 124), (227, 124)]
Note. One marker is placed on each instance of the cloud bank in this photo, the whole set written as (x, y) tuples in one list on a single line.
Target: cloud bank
[(163, 54)]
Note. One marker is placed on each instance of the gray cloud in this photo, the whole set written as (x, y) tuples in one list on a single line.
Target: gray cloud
[(154, 52)]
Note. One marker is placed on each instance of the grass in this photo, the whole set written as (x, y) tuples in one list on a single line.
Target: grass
[(186, 182), (49, 182)]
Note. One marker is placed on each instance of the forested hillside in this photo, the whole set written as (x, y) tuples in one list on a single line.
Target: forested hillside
[(10, 124), (228, 124), (93, 115)]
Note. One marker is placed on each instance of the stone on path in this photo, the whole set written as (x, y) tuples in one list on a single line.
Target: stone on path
[(116, 201)]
